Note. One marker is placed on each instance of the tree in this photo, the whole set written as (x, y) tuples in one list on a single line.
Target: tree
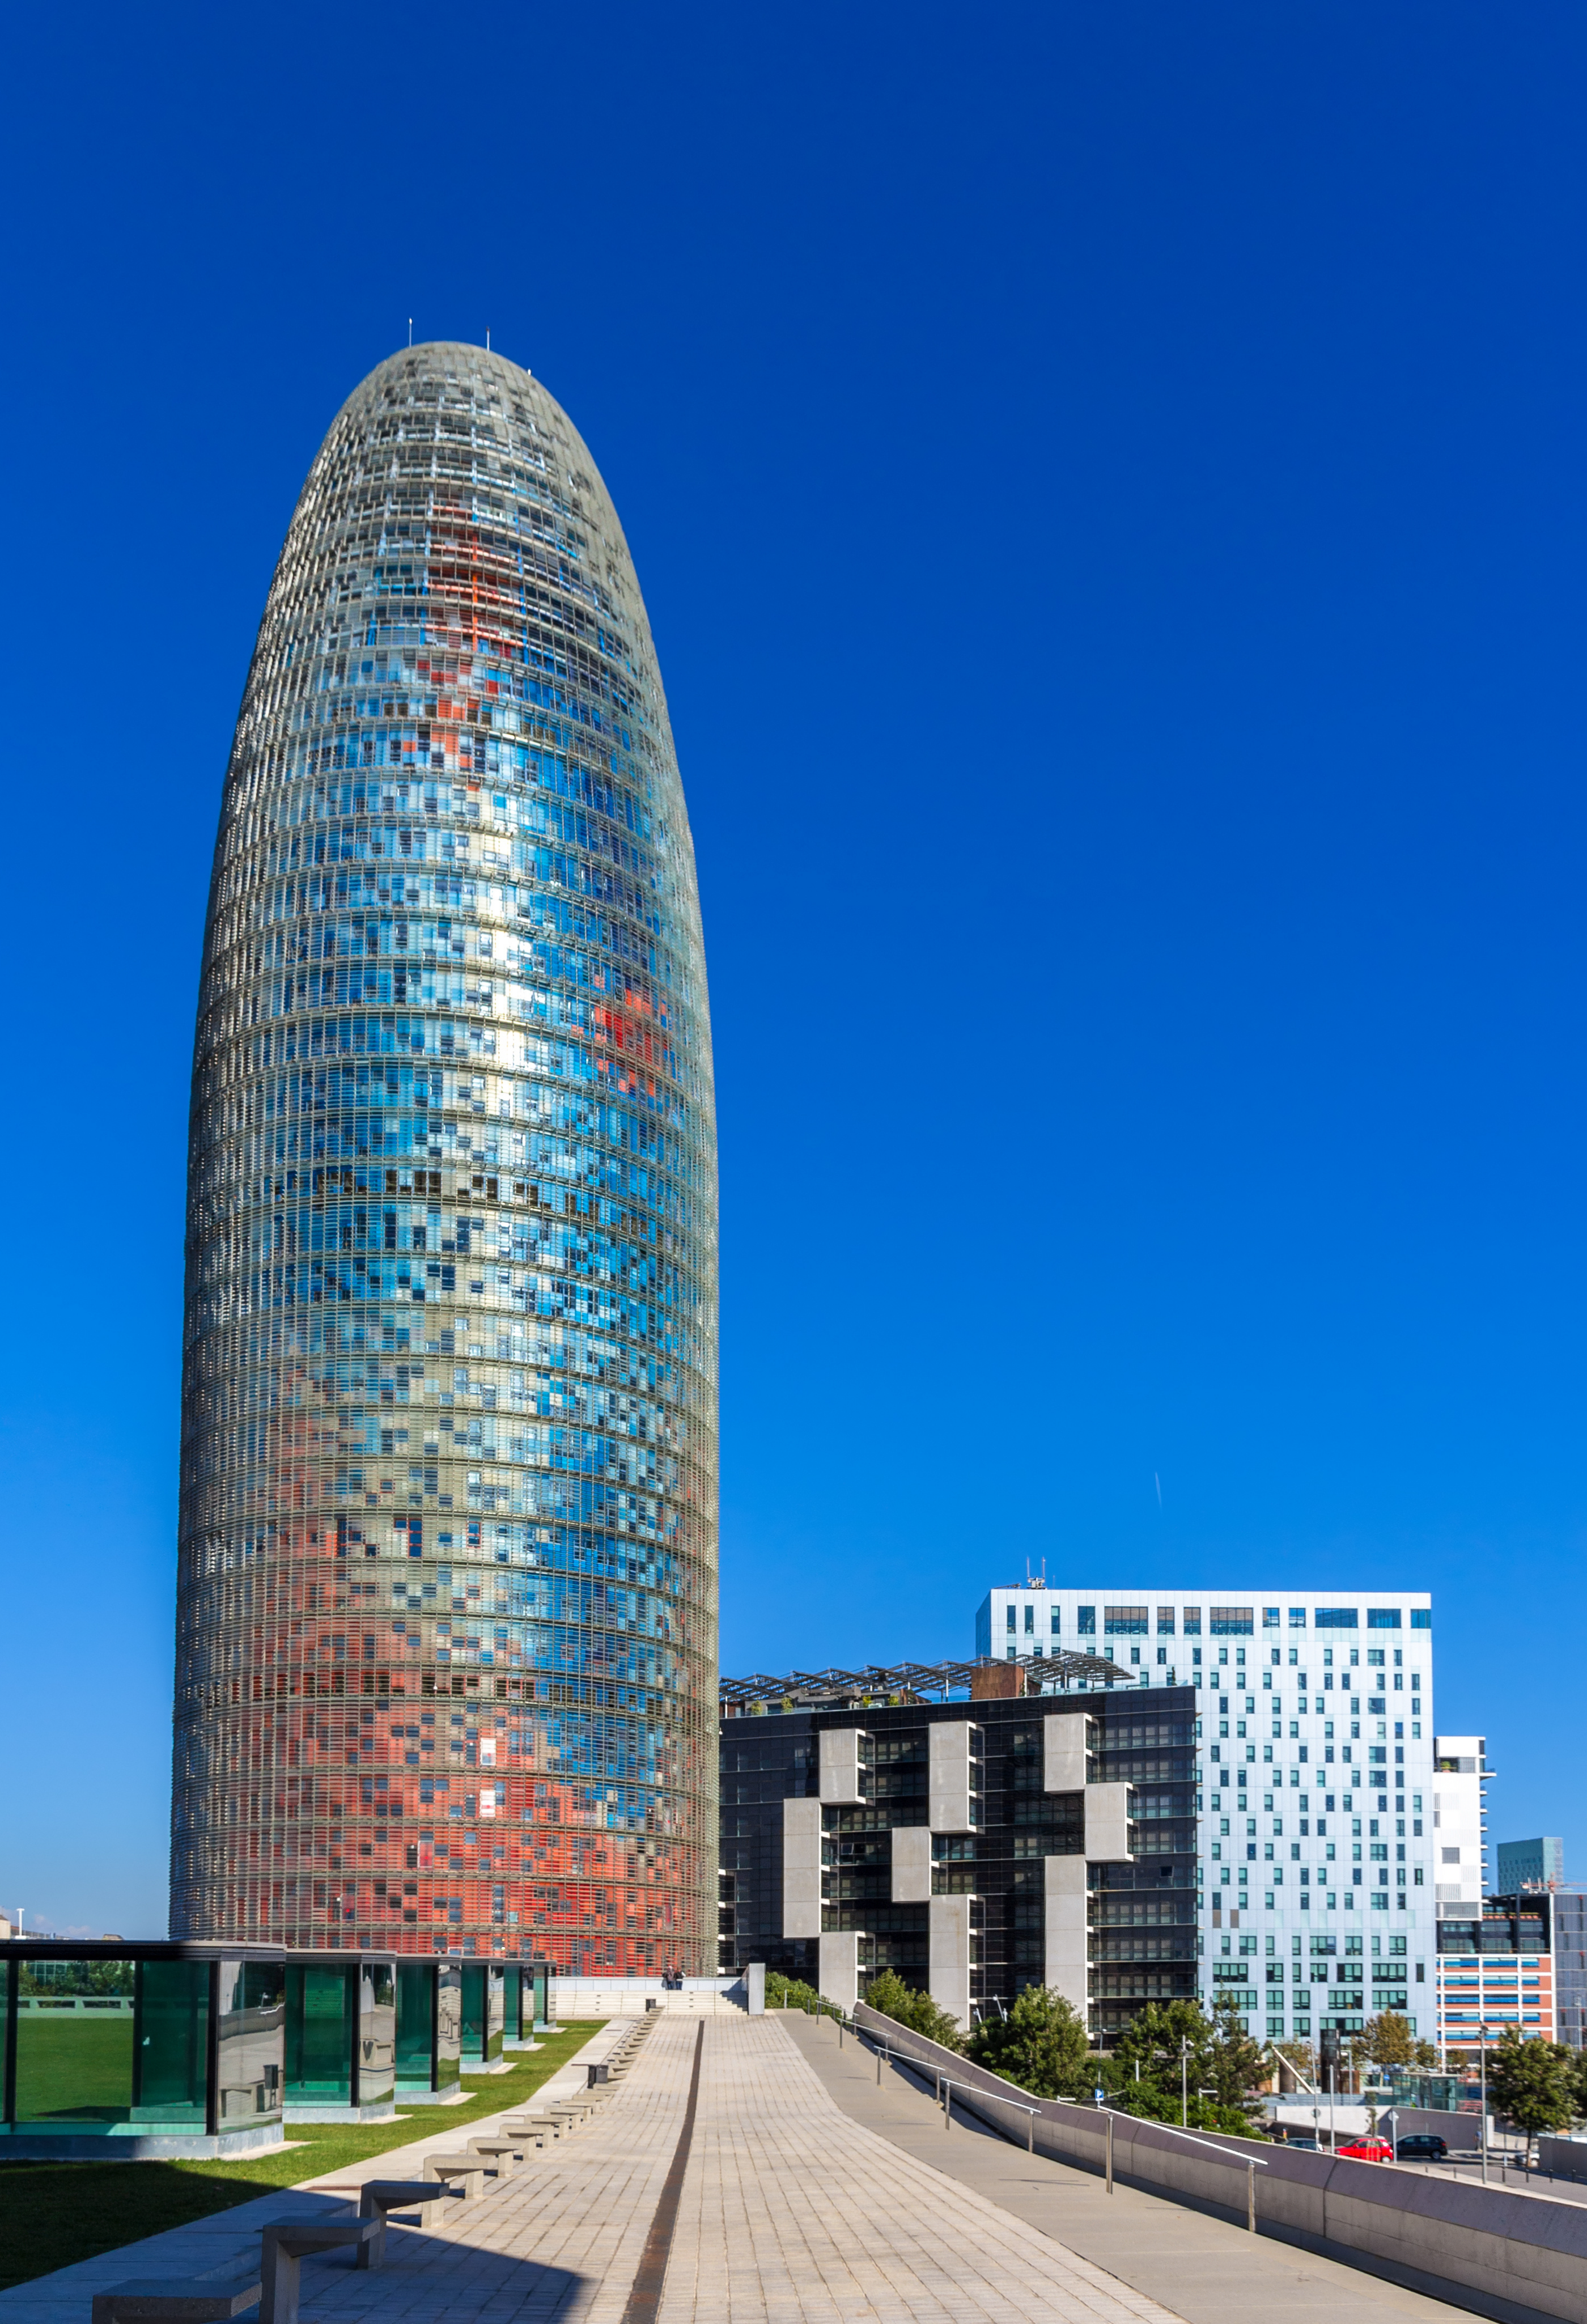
[(1151, 2103), (1151, 2044), (1236, 2066), (1534, 2083), (917, 2010), (1041, 2045), (1388, 2040)]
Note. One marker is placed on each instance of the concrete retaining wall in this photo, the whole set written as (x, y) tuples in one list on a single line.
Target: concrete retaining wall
[(1565, 2157), (1519, 2252), (1456, 2130), (1460, 2133), (626, 1996), (142, 2146)]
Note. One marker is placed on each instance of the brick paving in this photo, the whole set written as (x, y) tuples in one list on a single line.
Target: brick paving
[(793, 2210)]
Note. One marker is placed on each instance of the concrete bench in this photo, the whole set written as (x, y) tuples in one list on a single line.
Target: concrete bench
[(178, 2300), (286, 2244), (465, 2172), (499, 2155), (376, 2197), (535, 2129)]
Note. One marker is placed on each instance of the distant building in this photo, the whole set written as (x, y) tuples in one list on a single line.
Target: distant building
[(1314, 1733), (1496, 1969), (1460, 1822), (1567, 1911), (1531, 1863)]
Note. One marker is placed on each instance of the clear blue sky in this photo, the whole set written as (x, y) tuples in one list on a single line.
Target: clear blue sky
[(1108, 482)]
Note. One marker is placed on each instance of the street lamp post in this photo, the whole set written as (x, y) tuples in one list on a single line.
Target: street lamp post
[(1183, 2073), (1483, 2070)]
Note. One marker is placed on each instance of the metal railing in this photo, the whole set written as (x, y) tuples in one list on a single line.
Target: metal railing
[(944, 2086), (1253, 2163)]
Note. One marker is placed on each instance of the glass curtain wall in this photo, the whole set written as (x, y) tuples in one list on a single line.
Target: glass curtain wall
[(446, 1618), (112, 2046), (171, 2043), (448, 2022), (322, 2021), (249, 2048), (377, 2031), (484, 2013), (75, 2023), (416, 2024)]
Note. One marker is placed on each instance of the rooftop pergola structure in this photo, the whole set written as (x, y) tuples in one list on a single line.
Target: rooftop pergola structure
[(833, 1688)]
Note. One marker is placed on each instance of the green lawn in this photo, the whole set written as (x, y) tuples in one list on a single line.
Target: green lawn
[(54, 2213)]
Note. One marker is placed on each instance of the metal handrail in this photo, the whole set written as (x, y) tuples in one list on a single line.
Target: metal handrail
[(945, 2087), (1251, 2162)]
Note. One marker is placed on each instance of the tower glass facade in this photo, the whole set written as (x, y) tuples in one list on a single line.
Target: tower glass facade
[(447, 1604)]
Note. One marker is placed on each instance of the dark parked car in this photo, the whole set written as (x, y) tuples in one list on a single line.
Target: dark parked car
[(1422, 2146), (1306, 2145)]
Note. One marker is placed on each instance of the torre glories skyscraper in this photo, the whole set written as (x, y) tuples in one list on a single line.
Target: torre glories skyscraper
[(445, 1672)]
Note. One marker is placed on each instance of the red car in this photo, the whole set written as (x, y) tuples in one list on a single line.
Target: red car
[(1368, 2150)]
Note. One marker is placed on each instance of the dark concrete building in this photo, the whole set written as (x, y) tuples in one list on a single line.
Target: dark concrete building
[(977, 1843)]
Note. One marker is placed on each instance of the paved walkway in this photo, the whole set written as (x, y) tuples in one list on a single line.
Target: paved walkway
[(1207, 2271), (792, 2209), (805, 2198)]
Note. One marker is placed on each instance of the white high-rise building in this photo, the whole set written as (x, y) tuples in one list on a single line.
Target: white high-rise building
[(1317, 1891), (1460, 1823)]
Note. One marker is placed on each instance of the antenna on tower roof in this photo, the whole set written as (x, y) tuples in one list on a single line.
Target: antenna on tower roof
[(411, 330)]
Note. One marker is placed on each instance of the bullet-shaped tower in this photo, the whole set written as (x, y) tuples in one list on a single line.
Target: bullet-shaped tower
[(447, 1602)]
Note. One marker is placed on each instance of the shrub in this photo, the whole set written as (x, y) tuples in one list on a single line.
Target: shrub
[(792, 1993), (917, 2010), (1041, 2045)]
